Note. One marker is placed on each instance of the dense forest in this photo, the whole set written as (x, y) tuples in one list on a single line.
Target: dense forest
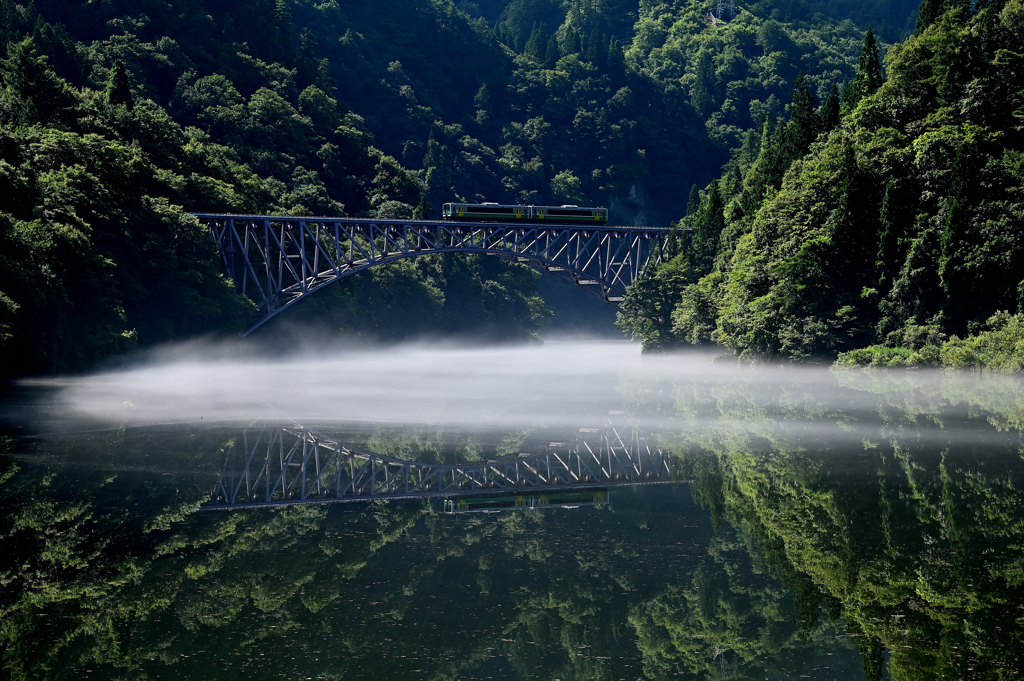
[(119, 118), (881, 223)]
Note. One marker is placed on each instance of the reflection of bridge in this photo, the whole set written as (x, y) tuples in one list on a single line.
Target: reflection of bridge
[(278, 260), (289, 465)]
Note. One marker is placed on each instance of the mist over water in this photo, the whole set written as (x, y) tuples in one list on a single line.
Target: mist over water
[(497, 386), (558, 385)]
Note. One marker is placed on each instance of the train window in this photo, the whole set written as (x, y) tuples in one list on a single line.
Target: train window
[(492, 210)]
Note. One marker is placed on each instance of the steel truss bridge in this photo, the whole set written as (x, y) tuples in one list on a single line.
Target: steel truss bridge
[(291, 464), (277, 260)]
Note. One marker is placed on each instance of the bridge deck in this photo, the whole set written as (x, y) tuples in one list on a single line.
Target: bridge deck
[(548, 224)]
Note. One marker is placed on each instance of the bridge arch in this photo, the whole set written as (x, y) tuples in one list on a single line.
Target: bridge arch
[(279, 260)]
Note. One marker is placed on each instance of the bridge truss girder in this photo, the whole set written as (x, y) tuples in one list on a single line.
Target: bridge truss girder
[(288, 465), (276, 261)]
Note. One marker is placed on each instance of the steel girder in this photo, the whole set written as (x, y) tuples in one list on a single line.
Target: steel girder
[(288, 465), (276, 260)]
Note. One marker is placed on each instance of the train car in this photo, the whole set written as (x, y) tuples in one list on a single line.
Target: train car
[(523, 502), (496, 212)]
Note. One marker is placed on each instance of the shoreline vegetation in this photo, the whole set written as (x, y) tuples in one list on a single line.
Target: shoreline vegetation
[(1000, 347)]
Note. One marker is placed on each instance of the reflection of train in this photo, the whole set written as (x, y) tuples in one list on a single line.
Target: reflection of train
[(523, 502), (495, 212)]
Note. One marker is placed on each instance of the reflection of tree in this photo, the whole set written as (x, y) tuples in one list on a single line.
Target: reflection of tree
[(434, 444), (867, 523), (732, 617), (119, 575), (106, 569), (904, 505), (651, 606)]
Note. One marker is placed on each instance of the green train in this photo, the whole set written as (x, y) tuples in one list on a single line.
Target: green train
[(496, 212), (523, 502)]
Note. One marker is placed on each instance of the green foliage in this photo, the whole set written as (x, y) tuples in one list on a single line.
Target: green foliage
[(294, 107), (646, 313), (80, 284), (904, 214), (118, 90), (476, 299), (32, 92), (566, 187), (99, 255), (707, 227), (869, 72), (998, 347)]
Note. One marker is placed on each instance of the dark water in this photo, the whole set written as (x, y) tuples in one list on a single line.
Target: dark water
[(835, 526)]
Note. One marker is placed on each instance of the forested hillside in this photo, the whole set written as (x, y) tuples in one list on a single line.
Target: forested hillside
[(118, 118), (891, 221)]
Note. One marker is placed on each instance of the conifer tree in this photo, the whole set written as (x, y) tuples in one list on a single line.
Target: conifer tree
[(118, 90), (552, 53), (438, 163), (280, 35), (778, 155), (707, 231), (804, 128), (616, 60), (758, 179), (702, 94), (423, 210), (308, 46), (676, 242), (751, 147), (735, 183), (889, 236), (536, 45), (954, 234), (592, 51), (927, 13), (693, 205), (324, 80), (828, 113), (869, 73)]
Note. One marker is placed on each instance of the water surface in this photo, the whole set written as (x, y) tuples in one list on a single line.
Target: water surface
[(828, 525)]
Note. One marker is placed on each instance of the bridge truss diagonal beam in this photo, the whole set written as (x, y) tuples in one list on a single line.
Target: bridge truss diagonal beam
[(291, 464), (278, 260)]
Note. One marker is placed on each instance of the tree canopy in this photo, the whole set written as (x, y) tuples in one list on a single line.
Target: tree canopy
[(895, 226)]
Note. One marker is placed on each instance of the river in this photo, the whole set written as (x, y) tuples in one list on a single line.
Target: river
[(816, 524)]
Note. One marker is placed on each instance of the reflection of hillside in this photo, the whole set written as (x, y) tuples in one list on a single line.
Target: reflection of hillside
[(594, 608), (734, 617), (850, 513), (104, 569), (118, 575), (996, 398), (895, 495)]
